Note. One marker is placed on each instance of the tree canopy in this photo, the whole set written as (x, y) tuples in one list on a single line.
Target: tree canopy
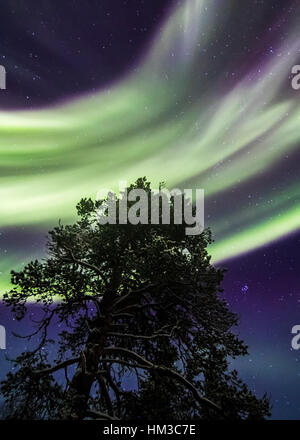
[(144, 330)]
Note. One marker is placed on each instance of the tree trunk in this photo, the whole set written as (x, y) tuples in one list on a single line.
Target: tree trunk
[(79, 389)]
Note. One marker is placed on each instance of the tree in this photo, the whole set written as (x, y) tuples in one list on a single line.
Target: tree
[(145, 333)]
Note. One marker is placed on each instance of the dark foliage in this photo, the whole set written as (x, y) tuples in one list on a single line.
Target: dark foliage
[(140, 309)]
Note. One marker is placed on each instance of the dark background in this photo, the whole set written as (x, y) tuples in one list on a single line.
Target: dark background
[(53, 52)]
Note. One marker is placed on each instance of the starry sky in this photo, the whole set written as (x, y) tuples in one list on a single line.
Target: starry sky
[(196, 93)]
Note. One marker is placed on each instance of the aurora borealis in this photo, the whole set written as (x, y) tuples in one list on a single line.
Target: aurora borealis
[(206, 103), (218, 134)]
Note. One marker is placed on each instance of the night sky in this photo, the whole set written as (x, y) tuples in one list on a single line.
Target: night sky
[(196, 93)]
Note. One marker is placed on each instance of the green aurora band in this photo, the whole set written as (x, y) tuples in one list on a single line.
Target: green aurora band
[(170, 124)]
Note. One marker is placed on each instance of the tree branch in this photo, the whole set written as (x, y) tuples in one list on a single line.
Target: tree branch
[(83, 263), (56, 367), (129, 295), (99, 415), (144, 363)]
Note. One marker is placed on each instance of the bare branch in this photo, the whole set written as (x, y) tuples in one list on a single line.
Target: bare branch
[(130, 335), (56, 367), (128, 353), (144, 363), (83, 263), (99, 415), (129, 295)]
